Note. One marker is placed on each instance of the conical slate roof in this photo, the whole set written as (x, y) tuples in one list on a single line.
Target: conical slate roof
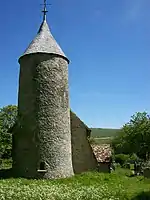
[(44, 42)]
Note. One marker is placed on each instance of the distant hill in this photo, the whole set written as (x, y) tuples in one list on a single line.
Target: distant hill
[(103, 132)]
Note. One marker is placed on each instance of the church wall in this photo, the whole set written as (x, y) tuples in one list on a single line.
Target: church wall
[(83, 158)]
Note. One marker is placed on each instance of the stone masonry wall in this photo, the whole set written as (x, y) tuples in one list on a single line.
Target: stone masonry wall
[(82, 155), (43, 133)]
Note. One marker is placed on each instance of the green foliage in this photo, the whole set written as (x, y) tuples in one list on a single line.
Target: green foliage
[(8, 117), (121, 158), (146, 164), (6, 163), (125, 159), (88, 186), (134, 137), (134, 158), (103, 132), (117, 165), (92, 140)]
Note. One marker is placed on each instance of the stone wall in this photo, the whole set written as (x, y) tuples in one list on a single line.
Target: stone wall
[(43, 137), (83, 158)]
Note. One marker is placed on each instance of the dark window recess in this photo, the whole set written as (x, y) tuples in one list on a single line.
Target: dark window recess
[(42, 166)]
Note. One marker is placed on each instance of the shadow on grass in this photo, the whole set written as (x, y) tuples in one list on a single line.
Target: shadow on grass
[(8, 173), (142, 196)]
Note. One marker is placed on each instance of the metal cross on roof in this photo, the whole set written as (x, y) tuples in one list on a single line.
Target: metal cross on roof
[(45, 10)]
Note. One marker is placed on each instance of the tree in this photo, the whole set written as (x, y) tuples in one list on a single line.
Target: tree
[(8, 115), (134, 137)]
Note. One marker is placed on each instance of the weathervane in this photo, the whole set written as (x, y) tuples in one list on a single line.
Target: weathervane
[(45, 10)]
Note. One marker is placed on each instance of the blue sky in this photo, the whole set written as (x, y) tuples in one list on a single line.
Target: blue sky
[(108, 43)]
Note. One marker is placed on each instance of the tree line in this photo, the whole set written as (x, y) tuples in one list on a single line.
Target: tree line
[(8, 117), (134, 137)]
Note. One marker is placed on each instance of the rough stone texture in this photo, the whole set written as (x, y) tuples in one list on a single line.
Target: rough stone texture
[(43, 132), (44, 42), (83, 158), (80, 144)]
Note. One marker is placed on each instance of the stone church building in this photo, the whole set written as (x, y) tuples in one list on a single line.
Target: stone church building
[(49, 140), (83, 157)]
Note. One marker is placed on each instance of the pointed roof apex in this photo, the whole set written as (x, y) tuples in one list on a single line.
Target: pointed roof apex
[(44, 42), (45, 10)]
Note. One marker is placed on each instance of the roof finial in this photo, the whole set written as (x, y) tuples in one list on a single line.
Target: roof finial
[(45, 10)]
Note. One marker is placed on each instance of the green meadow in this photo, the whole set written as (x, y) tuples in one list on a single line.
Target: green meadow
[(103, 132), (118, 185)]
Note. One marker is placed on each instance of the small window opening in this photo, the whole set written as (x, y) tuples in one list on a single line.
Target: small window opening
[(42, 166)]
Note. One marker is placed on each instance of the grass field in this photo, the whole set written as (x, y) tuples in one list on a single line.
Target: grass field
[(102, 132), (106, 140), (103, 135), (89, 186)]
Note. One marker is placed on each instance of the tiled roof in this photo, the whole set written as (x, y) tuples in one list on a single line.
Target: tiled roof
[(102, 152), (44, 42)]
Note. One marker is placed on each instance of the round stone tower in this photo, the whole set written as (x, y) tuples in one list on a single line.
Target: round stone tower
[(42, 137)]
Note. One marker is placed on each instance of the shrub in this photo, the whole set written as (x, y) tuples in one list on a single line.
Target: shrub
[(146, 165), (5, 163), (121, 159), (117, 165), (126, 165), (134, 158)]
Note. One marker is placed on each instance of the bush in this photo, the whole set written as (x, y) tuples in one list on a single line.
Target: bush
[(126, 165), (117, 165), (134, 158), (122, 159), (146, 165), (5, 163)]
